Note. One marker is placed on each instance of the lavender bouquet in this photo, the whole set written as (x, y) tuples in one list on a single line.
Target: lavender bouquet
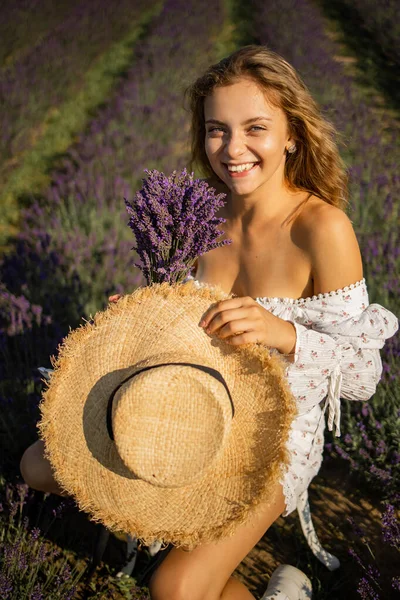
[(173, 220)]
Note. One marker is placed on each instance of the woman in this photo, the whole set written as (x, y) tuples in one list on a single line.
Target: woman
[(295, 270), (259, 136)]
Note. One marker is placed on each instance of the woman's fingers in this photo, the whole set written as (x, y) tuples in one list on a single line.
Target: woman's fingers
[(216, 315), (114, 298), (236, 328), (227, 317), (237, 321)]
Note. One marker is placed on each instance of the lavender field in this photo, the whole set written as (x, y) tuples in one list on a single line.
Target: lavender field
[(70, 248), (49, 90), (382, 22)]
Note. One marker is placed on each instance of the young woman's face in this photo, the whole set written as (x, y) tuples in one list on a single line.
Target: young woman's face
[(246, 137)]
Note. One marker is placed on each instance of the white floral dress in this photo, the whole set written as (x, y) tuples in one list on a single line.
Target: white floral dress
[(339, 335)]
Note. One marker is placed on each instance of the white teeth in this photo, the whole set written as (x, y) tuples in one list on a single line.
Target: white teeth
[(240, 168)]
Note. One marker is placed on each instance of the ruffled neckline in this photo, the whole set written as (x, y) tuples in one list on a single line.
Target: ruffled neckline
[(322, 296), (287, 300)]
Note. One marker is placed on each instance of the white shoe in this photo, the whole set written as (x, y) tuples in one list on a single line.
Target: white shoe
[(288, 583), (154, 548)]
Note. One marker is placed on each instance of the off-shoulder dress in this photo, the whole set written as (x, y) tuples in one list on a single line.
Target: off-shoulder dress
[(339, 335)]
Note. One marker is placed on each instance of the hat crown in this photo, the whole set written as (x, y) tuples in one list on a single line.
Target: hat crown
[(171, 424)]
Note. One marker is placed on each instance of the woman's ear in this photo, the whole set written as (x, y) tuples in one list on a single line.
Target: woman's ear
[(290, 142), (290, 146)]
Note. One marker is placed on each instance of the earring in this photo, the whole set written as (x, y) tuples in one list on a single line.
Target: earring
[(291, 149)]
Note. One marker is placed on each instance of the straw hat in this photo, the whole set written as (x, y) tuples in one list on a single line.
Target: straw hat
[(159, 430)]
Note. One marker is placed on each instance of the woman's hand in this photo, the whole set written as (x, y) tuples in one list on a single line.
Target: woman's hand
[(242, 321), (114, 298)]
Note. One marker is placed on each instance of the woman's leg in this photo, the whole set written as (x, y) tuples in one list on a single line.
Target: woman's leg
[(205, 572), (36, 470)]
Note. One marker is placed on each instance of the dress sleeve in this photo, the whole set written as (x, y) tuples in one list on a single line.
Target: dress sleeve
[(340, 357)]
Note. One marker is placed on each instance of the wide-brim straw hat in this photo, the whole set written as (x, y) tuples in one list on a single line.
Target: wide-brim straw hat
[(173, 452)]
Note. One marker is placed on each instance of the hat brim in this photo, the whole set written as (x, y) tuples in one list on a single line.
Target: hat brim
[(143, 327)]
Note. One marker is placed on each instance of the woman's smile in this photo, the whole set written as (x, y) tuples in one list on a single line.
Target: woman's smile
[(241, 170)]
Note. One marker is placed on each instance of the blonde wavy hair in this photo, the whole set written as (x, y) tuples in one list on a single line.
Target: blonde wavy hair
[(316, 166)]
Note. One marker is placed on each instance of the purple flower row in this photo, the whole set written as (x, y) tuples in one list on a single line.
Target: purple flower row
[(41, 79), (83, 219), (144, 125), (24, 24)]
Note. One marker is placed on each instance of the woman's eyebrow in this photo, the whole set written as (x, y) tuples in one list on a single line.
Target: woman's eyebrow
[(252, 120)]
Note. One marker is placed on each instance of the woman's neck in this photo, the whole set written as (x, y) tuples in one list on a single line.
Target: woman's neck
[(261, 206)]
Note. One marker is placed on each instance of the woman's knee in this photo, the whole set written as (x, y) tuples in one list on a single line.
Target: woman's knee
[(36, 470), (203, 573), (171, 583)]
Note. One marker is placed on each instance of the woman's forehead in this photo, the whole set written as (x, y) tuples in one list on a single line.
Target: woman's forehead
[(240, 98)]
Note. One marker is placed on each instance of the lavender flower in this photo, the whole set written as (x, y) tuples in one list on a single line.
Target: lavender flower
[(365, 410), (391, 527), (173, 219), (366, 591), (357, 529), (396, 583), (58, 512), (37, 593), (6, 586), (35, 533), (370, 581), (380, 473), (70, 593)]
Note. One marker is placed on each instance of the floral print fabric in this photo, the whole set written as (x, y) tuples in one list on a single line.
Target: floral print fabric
[(339, 335)]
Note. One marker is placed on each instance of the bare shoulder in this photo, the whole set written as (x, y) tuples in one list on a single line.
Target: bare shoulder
[(317, 215), (328, 237)]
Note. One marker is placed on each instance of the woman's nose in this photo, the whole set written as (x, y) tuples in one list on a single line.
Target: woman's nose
[(234, 145)]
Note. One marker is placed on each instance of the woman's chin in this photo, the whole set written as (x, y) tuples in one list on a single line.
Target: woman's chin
[(241, 188)]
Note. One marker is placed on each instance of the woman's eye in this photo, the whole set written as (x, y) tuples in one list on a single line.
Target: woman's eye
[(219, 129)]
